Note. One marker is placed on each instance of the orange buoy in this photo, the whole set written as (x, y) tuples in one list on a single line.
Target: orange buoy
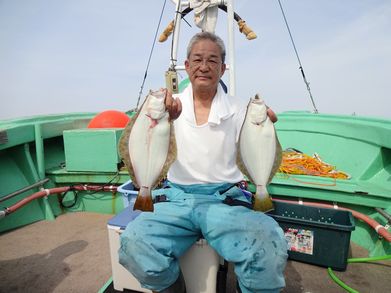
[(109, 119)]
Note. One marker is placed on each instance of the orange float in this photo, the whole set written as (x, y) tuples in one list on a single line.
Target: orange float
[(109, 119)]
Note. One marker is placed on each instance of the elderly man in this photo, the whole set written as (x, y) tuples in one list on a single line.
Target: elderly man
[(207, 124)]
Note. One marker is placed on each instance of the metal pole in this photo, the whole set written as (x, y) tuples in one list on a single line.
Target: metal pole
[(384, 214), (231, 48), (177, 26), (24, 189)]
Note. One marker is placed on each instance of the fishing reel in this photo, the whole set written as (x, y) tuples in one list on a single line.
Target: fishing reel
[(172, 80)]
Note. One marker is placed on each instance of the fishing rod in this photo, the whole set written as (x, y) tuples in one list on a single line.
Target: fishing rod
[(150, 55), (298, 59)]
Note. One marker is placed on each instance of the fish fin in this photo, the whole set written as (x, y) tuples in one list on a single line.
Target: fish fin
[(123, 145), (123, 148), (144, 202), (239, 159), (171, 156), (277, 160), (263, 201)]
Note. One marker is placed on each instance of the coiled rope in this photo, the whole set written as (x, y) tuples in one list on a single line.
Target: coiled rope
[(295, 162)]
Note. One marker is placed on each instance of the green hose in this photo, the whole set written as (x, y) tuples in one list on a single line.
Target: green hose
[(339, 282), (367, 259), (355, 260)]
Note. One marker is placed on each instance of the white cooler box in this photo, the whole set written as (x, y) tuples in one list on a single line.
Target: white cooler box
[(200, 264)]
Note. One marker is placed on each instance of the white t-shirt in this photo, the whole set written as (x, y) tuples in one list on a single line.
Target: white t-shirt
[(207, 153)]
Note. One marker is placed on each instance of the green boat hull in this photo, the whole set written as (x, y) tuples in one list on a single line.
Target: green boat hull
[(61, 148)]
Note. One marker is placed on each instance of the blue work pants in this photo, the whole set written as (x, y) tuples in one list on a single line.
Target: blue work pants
[(152, 243)]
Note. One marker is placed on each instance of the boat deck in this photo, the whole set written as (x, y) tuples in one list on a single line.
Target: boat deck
[(71, 254)]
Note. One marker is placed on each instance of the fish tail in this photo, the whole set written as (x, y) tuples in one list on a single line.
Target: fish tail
[(144, 201), (263, 201)]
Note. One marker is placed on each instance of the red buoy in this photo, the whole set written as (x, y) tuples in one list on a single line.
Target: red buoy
[(109, 119)]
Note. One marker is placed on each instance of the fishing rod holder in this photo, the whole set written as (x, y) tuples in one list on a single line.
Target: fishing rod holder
[(180, 6)]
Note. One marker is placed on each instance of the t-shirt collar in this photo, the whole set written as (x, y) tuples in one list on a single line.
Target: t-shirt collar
[(221, 108)]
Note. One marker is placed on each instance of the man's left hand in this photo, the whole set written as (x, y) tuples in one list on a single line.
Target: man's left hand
[(272, 115)]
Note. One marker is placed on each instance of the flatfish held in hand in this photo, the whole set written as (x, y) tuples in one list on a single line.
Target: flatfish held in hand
[(148, 147), (259, 151)]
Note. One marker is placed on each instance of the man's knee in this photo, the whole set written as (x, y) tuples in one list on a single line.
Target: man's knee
[(265, 258)]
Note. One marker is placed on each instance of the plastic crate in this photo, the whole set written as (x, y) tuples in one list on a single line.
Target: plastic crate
[(317, 236), (129, 193)]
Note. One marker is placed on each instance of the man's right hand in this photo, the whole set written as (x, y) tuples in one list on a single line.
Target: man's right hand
[(173, 106)]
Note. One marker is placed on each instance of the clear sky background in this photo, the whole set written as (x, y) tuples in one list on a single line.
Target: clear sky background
[(60, 56)]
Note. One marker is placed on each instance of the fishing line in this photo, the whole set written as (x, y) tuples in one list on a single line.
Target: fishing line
[(150, 55), (298, 59)]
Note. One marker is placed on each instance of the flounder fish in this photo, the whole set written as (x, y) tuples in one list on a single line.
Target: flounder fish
[(148, 147), (259, 151)]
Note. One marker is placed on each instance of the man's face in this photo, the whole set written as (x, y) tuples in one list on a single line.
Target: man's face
[(204, 65)]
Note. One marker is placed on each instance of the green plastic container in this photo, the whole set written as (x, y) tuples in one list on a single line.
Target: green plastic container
[(92, 150), (317, 236)]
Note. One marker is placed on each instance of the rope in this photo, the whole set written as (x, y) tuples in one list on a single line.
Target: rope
[(298, 59), (150, 55), (294, 162)]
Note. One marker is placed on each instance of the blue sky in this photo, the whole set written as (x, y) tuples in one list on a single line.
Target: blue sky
[(60, 56)]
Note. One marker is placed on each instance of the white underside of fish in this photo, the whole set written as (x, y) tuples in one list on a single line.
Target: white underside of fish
[(147, 149), (258, 152)]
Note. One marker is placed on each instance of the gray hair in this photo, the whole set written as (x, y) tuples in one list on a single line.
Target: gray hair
[(207, 36)]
